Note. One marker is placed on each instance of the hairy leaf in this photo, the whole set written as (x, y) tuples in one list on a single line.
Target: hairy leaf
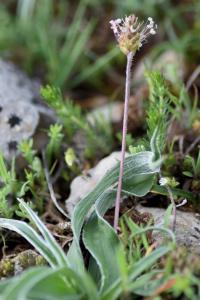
[(98, 236)]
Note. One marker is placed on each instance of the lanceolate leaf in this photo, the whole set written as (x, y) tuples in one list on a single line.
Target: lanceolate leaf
[(31, 236), (103, 244), (49, 239), (61, 283), (16, 286), (46, 245), (49, 284), (135, 165), (98, 236)]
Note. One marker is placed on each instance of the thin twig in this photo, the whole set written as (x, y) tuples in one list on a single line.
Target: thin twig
[(192, 78), (124, 132), (190, 148), (57, 173), (182, 203), (181, 142), (51, 190)]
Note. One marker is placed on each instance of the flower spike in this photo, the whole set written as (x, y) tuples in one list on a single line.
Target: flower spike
[(131, 34)]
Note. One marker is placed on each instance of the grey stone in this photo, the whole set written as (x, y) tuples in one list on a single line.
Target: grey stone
[(187, 229), (20, 108)]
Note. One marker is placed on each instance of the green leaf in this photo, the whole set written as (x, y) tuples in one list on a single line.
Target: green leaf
[(147, 261), (61, 283), (56, 250), (4, 174), (147, 284), (98, 236), (198, 165), (134, 166), (74, 55), (49, 284), (46, 246), (4, 283), (13, 290), (157, 189), (25, 9), (31, 236), (164, 230), (103, 244), (167, 216), (139, 171), (188, 174)]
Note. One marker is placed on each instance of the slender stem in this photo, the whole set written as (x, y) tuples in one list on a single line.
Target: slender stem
[(174, 207), (50, 187), (171, 197), (124, 132)]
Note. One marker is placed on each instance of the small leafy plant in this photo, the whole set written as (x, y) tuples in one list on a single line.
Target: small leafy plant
[(98, 134), (8, 187), (67, 279), (192, 166)]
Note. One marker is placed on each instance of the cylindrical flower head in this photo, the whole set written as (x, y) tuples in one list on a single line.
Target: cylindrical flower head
[(131, 34)]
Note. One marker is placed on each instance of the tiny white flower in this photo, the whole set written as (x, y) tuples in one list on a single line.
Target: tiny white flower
[(163, 181), (152, 31), (150, 19)]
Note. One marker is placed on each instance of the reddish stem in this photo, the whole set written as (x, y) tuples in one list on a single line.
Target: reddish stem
[(124, 132)]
